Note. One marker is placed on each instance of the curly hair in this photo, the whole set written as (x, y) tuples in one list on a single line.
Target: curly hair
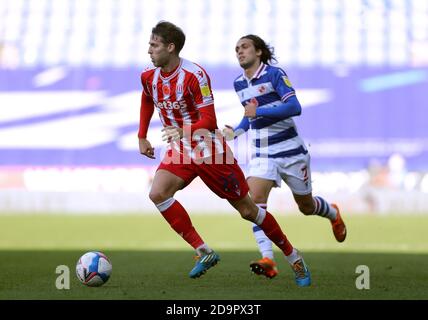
[(268, 55)]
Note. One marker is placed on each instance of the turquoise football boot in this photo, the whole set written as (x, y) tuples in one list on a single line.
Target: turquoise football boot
[(203, 263), (301, 272)]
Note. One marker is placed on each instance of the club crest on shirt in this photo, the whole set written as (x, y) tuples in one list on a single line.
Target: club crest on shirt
[(287, 81), (262, 89), (179, 89)]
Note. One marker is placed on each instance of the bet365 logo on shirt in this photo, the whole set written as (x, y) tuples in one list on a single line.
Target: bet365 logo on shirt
[(171, 105)]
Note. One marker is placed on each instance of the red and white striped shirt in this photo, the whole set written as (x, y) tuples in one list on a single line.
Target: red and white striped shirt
[(183, 98)]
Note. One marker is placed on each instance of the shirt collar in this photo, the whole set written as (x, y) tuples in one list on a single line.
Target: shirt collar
[(171, 74), (258, 73)]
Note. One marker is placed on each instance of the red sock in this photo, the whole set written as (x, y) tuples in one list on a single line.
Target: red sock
[(273, 231), (180, 221)]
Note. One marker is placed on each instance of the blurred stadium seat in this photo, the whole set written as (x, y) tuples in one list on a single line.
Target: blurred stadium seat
[(305, 33), (69, 95)]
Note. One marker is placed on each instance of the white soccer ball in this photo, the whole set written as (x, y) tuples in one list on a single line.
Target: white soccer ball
[(93, 269)]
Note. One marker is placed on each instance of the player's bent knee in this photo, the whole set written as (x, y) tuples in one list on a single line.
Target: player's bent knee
[(158, 196), (248, 214), (246, 208), (258, 198)]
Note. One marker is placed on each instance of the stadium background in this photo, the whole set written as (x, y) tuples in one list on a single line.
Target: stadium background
[(72, 179), (69, 97)]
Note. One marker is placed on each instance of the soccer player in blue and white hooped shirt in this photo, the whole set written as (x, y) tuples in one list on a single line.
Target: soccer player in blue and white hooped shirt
[(278, 153)]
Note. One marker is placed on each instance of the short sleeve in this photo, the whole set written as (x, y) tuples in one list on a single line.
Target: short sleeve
[(200, 87)]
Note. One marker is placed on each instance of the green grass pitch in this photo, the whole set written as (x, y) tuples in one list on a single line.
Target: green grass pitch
[(151, 262)]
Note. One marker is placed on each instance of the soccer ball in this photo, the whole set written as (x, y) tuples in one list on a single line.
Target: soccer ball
[(93, 269)]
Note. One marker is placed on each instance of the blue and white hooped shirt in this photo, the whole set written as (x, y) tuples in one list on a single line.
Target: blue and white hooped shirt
[(271, 137)]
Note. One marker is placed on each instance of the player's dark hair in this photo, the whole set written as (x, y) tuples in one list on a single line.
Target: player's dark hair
[(268, 55), (170, 33)]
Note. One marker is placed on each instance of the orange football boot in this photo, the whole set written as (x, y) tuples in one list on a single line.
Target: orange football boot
[(339, 228), (265, 266)]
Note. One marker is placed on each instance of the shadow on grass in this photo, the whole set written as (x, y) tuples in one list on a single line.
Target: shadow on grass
[(149, 275)]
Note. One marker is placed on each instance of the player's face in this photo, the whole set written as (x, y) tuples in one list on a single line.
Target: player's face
[(246, 53), (159, 52)]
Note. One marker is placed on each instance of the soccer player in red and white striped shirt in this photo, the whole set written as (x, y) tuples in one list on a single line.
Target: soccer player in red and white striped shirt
[(181, 93)]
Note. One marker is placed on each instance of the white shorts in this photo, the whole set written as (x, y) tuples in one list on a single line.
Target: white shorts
[(295, 171)]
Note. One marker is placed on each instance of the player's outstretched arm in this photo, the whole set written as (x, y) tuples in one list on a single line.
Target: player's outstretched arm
[(289, 108), (231, 133), (146, 112)]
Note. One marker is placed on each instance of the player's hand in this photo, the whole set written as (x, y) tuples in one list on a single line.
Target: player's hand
[(146, 148), (228, 133), (250, 109), (171, 133)]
